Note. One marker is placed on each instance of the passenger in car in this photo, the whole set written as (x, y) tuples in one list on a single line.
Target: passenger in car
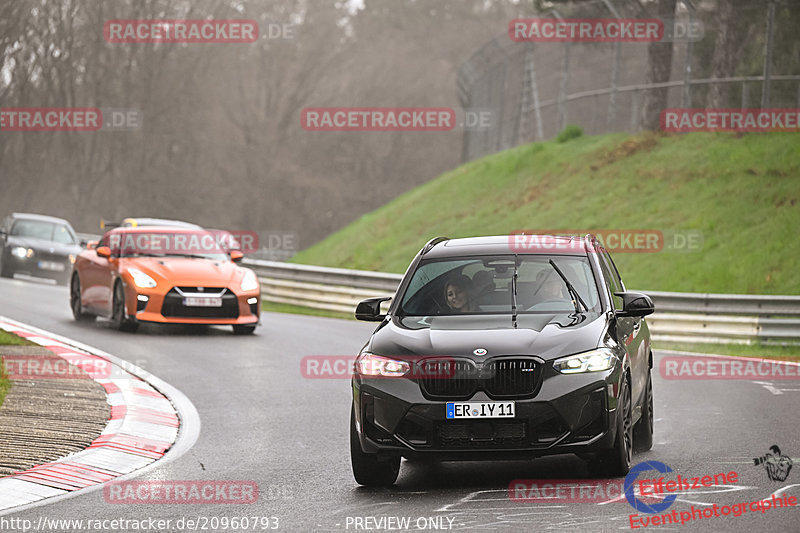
[(551, 286), (483, 283), (458, 294)]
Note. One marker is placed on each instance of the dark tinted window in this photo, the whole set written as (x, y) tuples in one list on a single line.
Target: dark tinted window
[(482, 285)]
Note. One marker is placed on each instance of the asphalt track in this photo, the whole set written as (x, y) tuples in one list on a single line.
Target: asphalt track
[(263, 421)]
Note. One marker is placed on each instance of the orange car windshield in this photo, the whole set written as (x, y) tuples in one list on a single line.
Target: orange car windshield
[(161, 243)]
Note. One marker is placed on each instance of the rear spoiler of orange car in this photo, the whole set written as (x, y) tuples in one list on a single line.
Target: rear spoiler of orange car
[(107, 224)]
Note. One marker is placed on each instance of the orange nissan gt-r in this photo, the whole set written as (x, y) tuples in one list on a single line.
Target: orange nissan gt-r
[(165, 275)]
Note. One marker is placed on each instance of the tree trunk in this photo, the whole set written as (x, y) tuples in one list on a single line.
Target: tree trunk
[(724, 59), (659, 67)]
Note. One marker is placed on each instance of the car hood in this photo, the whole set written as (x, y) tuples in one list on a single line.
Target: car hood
[(182, 271), (39, 245), (545, 335)]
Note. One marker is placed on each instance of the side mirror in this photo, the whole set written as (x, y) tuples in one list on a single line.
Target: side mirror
[(103, 251), (635, 304), (370, 309), (236, 256)]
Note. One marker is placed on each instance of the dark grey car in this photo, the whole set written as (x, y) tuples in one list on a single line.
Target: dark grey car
[(37, 245), (491, 350)]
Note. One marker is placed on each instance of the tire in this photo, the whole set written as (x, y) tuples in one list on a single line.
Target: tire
[(244, 329), (616, 462), (368, 469), (122, 322), (75, 301), (643, 431)]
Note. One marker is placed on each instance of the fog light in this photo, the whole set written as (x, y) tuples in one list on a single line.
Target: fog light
[(142, 298), (252, 300)]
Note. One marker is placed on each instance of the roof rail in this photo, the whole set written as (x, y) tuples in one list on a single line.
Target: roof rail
[(591, 241), (431, 243)]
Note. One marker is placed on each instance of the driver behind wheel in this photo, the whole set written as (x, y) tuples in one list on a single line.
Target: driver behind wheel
[(550, 293), (458, 294)]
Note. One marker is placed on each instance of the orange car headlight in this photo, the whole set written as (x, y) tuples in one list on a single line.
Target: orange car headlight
[(141, 279), (249, 281)]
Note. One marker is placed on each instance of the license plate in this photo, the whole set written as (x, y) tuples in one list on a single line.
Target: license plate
[(480, 409), (51, 265), (204, 301)]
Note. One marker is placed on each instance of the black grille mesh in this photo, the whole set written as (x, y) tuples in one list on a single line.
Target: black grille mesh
[(499, 378)]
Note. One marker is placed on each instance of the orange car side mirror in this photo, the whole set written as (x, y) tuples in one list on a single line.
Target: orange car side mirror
[(104, 251), (236, 256)]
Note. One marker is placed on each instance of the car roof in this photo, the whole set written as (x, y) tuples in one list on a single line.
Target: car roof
[(507, 244), (43, 218), (156, 228)]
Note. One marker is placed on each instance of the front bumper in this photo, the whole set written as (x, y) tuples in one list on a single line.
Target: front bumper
[(39, 266), (568, 414), (164, 307)]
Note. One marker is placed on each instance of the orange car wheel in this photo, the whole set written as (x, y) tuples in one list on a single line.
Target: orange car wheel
[(75, 300)]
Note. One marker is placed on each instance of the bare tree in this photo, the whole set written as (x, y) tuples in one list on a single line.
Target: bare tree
[(659, 67), (726, 43)]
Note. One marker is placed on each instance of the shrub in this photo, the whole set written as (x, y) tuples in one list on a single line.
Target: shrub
[(572, 131)]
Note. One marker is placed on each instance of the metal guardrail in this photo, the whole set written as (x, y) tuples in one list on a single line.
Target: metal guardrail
[(87, 237), (680, 317)]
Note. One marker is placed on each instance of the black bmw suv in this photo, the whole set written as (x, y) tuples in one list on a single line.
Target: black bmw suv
[(504, 347)]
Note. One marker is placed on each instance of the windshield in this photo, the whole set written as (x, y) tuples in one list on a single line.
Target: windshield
[(46, 231), (484, 285), (164, 243)]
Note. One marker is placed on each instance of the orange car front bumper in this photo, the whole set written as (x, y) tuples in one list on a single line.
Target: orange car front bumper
[(147, 305)]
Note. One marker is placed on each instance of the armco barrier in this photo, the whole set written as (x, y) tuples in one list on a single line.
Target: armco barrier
[(680, 317)]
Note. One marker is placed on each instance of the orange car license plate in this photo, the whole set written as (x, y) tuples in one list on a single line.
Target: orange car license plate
[(204, 301)]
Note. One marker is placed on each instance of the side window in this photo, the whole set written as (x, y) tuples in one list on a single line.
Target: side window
[(612, 278), (615, 272)]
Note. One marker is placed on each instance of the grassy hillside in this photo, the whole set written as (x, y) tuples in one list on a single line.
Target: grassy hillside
[(742, 192)]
